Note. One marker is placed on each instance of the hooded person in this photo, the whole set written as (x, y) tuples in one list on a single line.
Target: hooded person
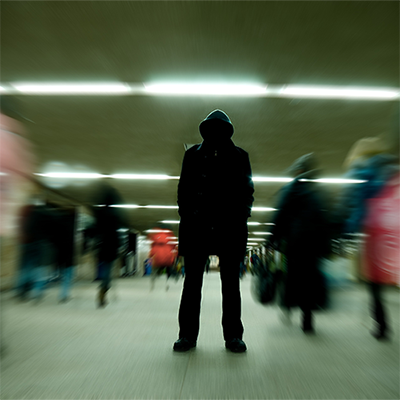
[(301, 232), (215, 196)]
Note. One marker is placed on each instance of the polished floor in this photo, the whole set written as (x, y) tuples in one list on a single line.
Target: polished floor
[(75, 351)]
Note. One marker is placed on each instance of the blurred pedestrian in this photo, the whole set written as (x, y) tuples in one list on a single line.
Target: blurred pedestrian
[(215, 196), (372, 207), (65, 250), (17, 165), (108, 221), (301, 232), (36, 228), (163, 253)]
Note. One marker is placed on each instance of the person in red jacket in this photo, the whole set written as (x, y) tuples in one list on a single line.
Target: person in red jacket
[(163, 253)]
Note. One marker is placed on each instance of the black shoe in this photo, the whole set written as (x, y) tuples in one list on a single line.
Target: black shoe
[(236, 345), (184, 344), (380, 334)]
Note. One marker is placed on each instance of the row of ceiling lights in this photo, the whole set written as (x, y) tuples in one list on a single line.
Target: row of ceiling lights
[(200, 89), (150, 177)]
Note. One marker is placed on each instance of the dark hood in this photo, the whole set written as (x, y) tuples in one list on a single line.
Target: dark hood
[(216, 128)]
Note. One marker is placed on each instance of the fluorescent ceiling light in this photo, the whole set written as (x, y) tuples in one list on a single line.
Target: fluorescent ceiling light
[(125, 206), (261, 233), (74, 175), (252, 244), (333, 180), (143, 176), (263, 209), (170, 222), (270, 179), (337, 92), (163, 207), (209, 89), (259, 223), (71, 88), (139, 206), (256, 240), (155, 230)]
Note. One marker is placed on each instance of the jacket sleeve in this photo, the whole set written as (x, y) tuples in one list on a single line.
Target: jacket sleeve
[(249, 186), (184, 186)]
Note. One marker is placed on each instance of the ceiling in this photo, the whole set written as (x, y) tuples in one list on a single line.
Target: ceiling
[(308, 43)]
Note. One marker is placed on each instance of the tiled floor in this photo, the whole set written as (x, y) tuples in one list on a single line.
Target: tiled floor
[(75, 351)]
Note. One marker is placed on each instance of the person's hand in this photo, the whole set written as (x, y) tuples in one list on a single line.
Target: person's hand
[(181, 260)]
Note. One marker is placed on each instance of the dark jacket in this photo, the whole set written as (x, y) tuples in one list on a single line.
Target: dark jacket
[(215, 195), (37, 224), (302, 233), (301, 222), (107, 225), (64, 238)]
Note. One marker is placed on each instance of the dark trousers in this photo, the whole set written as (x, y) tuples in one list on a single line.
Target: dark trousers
[(106, 269), (189, 311), (377, 310)]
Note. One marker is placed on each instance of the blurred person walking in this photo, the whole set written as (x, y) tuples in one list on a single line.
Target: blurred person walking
[(36, 231), (16, 173), (163, 253), (215, 196), (372, 207), (301, 232), (65, 250), (108, 221)]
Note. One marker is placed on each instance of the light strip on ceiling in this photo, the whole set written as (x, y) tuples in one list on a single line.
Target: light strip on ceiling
[(151, 177), (256, 240), (201, 89), (148, 206), (333, 180), (63, 88), (338, 92), (263, 209), (208, 89), (260, 233), (177, 222), (270, 179), (74, 175), (143, 176)]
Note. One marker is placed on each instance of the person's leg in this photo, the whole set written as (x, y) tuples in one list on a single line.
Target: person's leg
[(231, 300), (105, 282), (40, 270), (307, 299), (189, 310), (24, 273), (377, 311), (67, 274)]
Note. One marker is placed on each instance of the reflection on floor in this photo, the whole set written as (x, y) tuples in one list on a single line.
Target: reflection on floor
[(75, 351)]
